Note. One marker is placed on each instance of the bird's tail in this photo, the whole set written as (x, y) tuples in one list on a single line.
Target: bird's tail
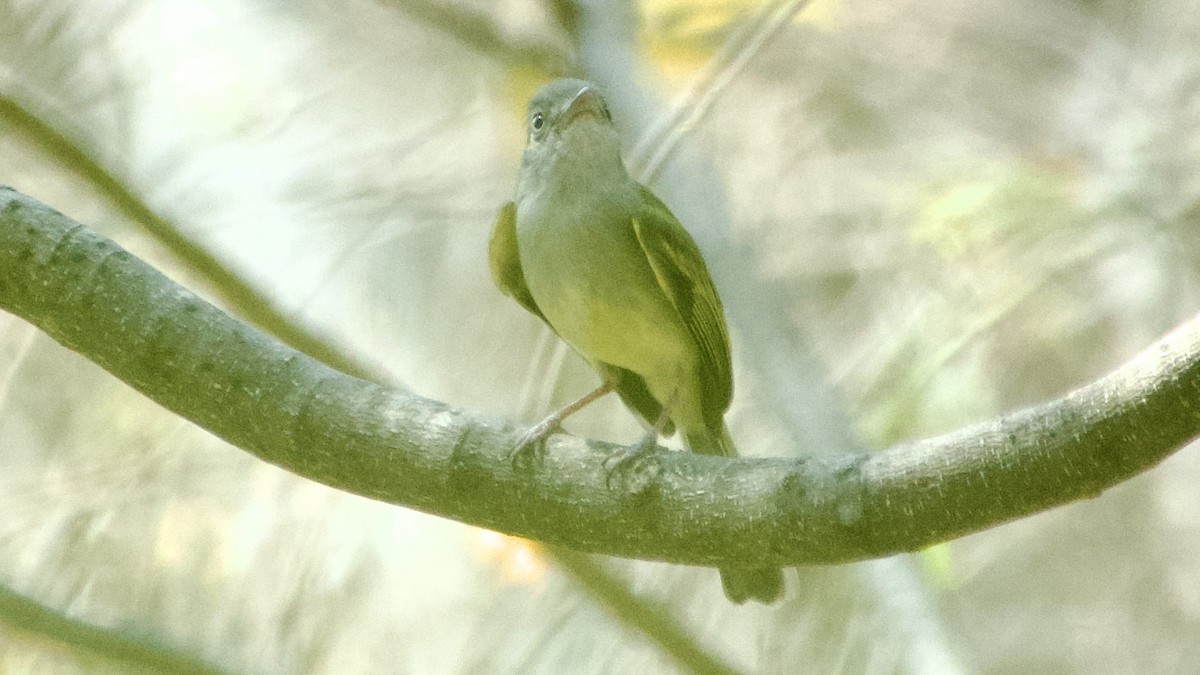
[(762, 584), (708, 442)]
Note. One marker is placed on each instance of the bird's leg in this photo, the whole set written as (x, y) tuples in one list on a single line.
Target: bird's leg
[(533, 439), (623, 460)]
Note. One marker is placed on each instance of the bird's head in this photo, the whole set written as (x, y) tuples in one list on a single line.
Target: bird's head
[(572, 141)]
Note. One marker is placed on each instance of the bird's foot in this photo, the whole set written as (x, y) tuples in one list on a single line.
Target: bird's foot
[(635, 467), (531, 446)]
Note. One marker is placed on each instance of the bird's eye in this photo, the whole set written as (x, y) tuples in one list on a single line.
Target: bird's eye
[(538, 121)]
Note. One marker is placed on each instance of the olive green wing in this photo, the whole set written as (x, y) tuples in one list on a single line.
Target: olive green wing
[(636, 395), (505, 260), (684, 278)]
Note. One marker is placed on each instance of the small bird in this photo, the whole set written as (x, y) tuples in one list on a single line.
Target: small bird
[(597, 257)]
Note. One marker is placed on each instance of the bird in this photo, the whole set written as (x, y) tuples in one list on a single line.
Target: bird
[(604, 263)]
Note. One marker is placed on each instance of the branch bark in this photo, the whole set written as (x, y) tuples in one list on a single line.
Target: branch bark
[(288, 409)]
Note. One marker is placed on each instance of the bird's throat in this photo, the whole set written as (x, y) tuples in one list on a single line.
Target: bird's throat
[(583, 169)]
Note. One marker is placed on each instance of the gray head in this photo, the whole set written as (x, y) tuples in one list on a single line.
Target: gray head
[(572, 143)]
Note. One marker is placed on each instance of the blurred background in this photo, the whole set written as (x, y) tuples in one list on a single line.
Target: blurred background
[(920, 215)]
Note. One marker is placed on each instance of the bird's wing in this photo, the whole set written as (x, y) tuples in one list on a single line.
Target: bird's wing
[(684, 278), (636, 395), (505, 261)]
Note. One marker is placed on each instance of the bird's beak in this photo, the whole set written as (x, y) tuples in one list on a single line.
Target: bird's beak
[(586, 102)]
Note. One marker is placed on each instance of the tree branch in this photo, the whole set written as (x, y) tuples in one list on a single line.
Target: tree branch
[(288, 409), (233, 289), (477, 32), (652, 619), (114, 644)]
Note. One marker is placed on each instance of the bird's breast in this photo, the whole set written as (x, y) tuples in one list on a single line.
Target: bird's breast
[(591, 280)]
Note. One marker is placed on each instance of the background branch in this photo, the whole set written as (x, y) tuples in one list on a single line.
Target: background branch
[(132, 651), (231, 288), (93, 297), (479, 33), (790, 386)]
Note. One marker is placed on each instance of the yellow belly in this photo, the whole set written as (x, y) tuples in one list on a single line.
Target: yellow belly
[(596, 288), (638, 336)]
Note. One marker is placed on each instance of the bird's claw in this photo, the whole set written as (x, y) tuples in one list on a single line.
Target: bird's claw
[(636, 466), (532, 444)]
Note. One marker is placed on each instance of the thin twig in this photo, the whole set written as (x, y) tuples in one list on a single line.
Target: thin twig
[(480, 34), (25, 614)]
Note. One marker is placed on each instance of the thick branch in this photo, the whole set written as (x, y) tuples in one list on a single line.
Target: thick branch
[(288, 409)]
